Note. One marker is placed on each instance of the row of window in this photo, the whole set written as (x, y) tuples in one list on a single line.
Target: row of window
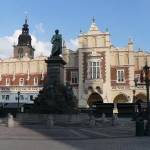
[(21, 97), (94, 71), (21, 81), (74, 80)]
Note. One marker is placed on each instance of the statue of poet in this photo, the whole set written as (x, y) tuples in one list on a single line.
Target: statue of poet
[(56, 44)]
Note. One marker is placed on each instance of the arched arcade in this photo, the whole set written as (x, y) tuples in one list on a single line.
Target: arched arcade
[(94, 98)]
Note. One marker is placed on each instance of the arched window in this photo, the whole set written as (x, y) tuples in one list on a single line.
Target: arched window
[(21, 81), (7, 81)]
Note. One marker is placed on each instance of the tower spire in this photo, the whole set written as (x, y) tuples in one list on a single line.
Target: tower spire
[(26, 20), (24, 47), (93, 25), (93, 19)]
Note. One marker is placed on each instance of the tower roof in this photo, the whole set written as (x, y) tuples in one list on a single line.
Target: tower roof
[(24, 38), (93, 28)]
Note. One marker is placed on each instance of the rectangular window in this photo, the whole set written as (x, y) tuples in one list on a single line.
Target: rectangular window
[(74, 77), (3, 97), (90, 70), (31, 97), (97, 70), (7, 97), (120, 76), (35, 81), (21, 97), (94, 70), (137, 77), (16, 98)]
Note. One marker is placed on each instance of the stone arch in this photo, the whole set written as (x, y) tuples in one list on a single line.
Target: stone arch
[(140, 97), (93, 98), (121, 98), (98, 89)]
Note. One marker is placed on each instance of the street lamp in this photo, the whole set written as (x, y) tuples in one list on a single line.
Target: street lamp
[(146, 81), (134, 101), (134, 97), (18, 100)]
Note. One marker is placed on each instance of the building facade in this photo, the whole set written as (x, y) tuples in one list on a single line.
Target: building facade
[(22, 75), (101, 72), (97, 71)]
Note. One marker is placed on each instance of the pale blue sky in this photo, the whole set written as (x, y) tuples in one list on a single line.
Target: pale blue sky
[(123, 18)]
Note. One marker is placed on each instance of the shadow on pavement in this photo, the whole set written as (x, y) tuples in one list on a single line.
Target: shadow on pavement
[(74, 136)]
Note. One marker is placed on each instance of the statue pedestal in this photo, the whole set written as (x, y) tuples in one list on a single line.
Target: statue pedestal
[(55, 70)]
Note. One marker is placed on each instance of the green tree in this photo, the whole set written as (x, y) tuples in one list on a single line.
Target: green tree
[(57, 99)]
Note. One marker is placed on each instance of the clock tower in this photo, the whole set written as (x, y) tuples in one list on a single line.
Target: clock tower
[(24, 47)]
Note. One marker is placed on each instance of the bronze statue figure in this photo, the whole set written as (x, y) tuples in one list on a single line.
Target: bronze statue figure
[(56, 44)]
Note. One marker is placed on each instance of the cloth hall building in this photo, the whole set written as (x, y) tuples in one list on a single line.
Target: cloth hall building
[(97, 70)]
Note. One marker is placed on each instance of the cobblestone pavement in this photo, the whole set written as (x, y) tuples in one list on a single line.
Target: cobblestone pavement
[(67, 132), (92, 144), (119, 137)]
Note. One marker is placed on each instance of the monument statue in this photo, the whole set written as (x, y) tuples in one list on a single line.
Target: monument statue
[(56, 44), (55, 97)]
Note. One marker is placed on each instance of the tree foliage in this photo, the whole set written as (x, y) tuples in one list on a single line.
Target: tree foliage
[(57, 99)]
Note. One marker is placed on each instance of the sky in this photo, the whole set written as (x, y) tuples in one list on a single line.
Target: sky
[(124, 18)]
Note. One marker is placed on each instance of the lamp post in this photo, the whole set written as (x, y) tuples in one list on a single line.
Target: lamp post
[(134, 97), (146, 81), (18, 100), (134, 101)]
